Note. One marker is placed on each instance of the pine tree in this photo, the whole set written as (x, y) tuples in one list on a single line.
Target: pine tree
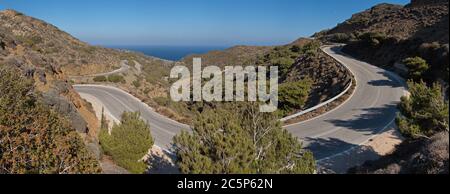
[(424, 112), (417, 66), (240, 139), (128, 143), (293, 95)]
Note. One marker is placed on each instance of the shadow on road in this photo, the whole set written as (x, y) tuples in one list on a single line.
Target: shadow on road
[(161, 164), (389, 81), (323, 148), (365, 122), (340, 164)]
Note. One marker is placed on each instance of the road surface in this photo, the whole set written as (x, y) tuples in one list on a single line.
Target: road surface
[(118, 101), (124, 67), (370, 110)]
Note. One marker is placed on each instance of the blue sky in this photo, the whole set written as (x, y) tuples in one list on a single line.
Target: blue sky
[(191, 22)]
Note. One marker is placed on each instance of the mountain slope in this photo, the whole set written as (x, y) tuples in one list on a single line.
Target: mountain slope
[(47, 57), (49, 80), (73, 56), (396, 21), (51, 56), (387, 34), (328, 76)]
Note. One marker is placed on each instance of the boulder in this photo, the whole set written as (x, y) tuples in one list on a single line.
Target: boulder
[(64, 107)]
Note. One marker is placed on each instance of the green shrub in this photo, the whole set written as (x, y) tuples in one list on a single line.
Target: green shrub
[(34, 138), (358, 21), (424, 112), (282, 56), (295, 49), (417, 66), (311, 48), (162, 101), (283, 63), (136, 83), (147, 90), (116, 79), (89, 49), (228, 141), (339, 37), (285, 56), (100, 79), (30, 41), (293, 95), (128, 143), (373, 39)]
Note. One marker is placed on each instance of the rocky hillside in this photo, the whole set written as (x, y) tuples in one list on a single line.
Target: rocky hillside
[(50, 56), (73, 56), (396, 21), (53, 60), (386, 35), (329, 77), (15, 52), (22, 45)]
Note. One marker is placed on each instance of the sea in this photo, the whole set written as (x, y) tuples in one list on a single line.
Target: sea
[(173, 53)]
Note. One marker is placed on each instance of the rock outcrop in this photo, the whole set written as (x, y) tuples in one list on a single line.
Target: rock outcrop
[(426, 2)]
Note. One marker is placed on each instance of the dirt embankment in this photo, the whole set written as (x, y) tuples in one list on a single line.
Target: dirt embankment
[(420, 156), (330, 78)]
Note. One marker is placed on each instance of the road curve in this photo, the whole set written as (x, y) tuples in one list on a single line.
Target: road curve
[(124, 67), (370, 110), (117, 101)]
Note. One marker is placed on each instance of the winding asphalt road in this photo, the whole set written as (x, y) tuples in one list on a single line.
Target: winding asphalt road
[(116, 101), (123, 68), (370, 110)]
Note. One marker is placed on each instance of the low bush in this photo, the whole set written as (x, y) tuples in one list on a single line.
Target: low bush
[(100, 79), (372, 39), (417, 66), (424, 112), (116, 79), (136, 83), (293, 95), (128, 142), (34, 138)]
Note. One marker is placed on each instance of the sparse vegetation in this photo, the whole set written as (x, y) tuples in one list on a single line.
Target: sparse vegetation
[(116, 79), (293, 95), (137, 83), (100, 79), (30, 41), (284, 56), (373, 39), (128, 142), (35, 139), (387, 34), (162, 101)]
